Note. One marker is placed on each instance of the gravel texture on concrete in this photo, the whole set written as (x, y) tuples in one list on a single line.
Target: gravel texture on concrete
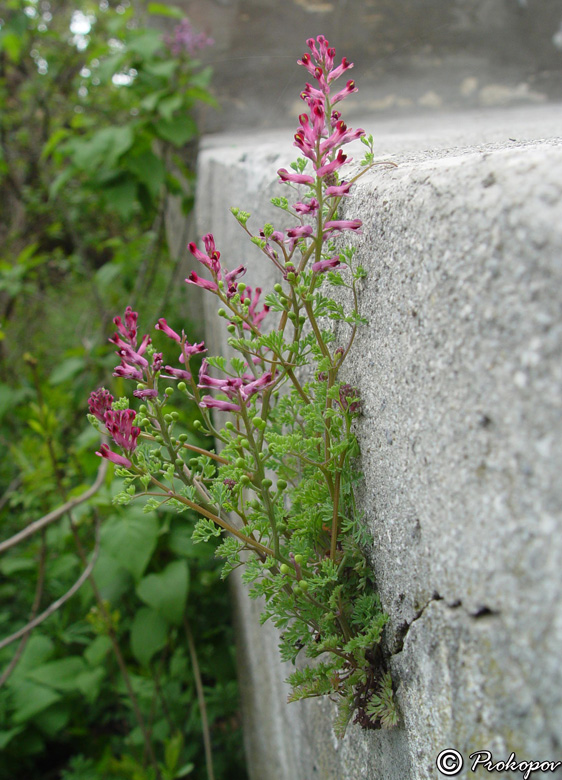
[(460, 373)]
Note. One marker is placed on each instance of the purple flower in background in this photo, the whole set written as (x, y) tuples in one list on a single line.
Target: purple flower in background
[(184, 39)]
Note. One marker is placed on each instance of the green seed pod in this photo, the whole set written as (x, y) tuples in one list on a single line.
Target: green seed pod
[(179, 463), (182, 387), (221, 313), (241, 287), (281, 527), (192, 463), (278, 288), (257, 421), (168, 418), (143, 409), (169, 391), (244, 443), (197, 425), (303, 585), (281, 484), (239, 463), (266, 483), (284, 569), (182, 437), (299, 558), (175, 416), (245, 479), (231, 329)]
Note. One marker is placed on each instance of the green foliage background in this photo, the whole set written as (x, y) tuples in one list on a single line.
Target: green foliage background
[(97, 134)]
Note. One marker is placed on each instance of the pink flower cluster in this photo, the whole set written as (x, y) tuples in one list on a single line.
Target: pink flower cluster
[(322, 132), (185, 39), (211, 260), (119, 425), (239, 390)]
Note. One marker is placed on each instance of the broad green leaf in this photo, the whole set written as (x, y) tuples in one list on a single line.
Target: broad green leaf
[(96, 652), (30, 698), (53, 720), (149, 634), (67, 370), (112, 578), (146, 44), (162, 70), (130, 539), (167, 591), (60, 674), (104, 147), (172, 751), (38, 649), (55, 139), (6, 736), (168, 105), (89, 683), (185, 770), (11, 566), (177, 131), (159, 9), (121, 197), (149, 169)]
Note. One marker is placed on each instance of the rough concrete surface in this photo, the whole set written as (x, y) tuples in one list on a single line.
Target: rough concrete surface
[(460, 373)]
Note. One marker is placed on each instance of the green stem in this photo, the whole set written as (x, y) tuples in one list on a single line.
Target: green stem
[(200, 699)]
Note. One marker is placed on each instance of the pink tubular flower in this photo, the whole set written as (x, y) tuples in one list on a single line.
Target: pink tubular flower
[(325, 265), (205, 284), (311, 207), (165, 328), (212, 259), (122, 431), (99, 403), (145, 393), (119, 460), (208, 402), (295, 178), (176, 373), (188, 350), (343, 224), (256, 317), (127, 329), (295, 234), (339, 190), (349, 89), (333, 165)]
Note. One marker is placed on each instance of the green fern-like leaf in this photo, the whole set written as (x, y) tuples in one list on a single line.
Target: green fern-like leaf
[(382, 706)]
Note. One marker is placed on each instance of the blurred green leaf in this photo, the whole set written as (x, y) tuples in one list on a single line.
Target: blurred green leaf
[(167, 591), (149, 634), (134, 535), (160, 9)]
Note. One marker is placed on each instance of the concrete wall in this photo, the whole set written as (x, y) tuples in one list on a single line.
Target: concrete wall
[(413, 55), (460, 372)]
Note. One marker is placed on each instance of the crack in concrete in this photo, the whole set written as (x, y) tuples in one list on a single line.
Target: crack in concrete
[(402, 631)]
